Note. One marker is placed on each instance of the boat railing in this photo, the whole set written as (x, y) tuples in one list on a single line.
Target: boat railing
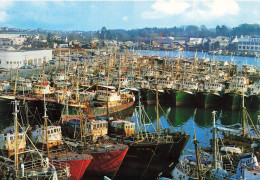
[(151, 137), (40, 168)]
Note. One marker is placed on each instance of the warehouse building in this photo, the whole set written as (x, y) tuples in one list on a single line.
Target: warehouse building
[(16, 59), (249, 44)]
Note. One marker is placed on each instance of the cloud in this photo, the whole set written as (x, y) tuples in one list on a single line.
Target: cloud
[(125, 18), (4, 5), (213, 9), (204, 9), (162, 9), (3, 16)]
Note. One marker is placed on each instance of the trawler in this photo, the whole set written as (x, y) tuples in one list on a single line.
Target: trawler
[(90, 137), (104, 101), (21, 161), (50, 139), (151, 154)]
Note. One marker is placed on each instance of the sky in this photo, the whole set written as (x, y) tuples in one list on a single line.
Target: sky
[(131, 14)]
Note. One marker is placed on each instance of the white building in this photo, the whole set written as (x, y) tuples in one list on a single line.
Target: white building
[(12, 39), (14, 59), (195, 41), (249, 44)]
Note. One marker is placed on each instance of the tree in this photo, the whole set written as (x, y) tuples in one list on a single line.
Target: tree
[(49, 37)]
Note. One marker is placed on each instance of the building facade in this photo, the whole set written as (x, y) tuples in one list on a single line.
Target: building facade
[(249, 44), (12, 39), (17, 59)]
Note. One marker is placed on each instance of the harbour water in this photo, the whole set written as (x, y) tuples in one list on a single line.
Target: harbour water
[(174, 118), (240, 60), (188, 119)]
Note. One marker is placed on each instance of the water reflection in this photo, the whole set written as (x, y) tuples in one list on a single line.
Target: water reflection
[(188, 119)]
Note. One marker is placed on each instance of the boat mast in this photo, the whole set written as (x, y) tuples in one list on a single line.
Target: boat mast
[(60, 61), (84, 70), (215, 165), (11, 74), (15, 84), (157, 106), (119, 76), (45, 117), (77, 82), (244, 114), (16, 141), (43, 71), (107, 87), (197, 155), (140, 113)]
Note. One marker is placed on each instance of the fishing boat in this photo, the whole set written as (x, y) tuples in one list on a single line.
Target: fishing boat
[(25, 162), (253, 97), (90, 138), (246, 137), (233, 95), (211, 95), (111, 101), (51, 140), (186, 93), (151, 154)]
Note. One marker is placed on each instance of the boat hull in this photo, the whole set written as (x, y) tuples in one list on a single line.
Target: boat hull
[(208, 100), (185, 99), (253, 102), (232, 101), (78, 164), (169, 97), (92, 112), (149, 96), (106, 163), (147, 160)]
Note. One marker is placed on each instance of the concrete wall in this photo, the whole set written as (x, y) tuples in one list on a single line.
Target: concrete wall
[(16, 59)]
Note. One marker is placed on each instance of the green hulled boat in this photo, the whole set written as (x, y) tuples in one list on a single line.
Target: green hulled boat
[(185, 99), (232, 101), (208, 100), (253, 102), (186, 96)]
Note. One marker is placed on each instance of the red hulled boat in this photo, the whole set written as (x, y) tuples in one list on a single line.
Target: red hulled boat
[(78, 163)]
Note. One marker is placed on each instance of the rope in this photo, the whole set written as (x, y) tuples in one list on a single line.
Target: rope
[(167, 118)]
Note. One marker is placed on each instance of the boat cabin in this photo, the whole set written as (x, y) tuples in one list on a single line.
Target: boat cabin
[(238, 87), (96, 128), (60, 77), (164, 83), (189, 85), (7, 142), (111, 97), (214, 87), (122, 127), (54, 136), (43, 88)]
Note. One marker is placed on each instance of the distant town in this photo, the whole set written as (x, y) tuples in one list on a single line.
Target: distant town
[(22, 47)]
